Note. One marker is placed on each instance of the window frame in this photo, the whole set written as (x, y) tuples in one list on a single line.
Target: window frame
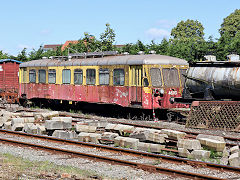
[(88, 81), (167, 82), (34, 75), (63, 77), (76, 73), (54, 76), (39, 76), (114, 77), (105, 72), (160, 73)]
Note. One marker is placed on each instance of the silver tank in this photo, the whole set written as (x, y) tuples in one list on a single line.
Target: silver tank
[(223, 78)]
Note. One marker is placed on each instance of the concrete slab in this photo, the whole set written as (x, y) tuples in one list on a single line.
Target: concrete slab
[(55, 124), (173, 134), (131, 143), (22, 120), (119, 141), (64, 134), (30, 128), (94, 137), (218, 138), (156, 148), (41, 130), (110, 127), (49, 115), (98, 124), (183, 152), (84, 137), (109, 135), (7, 125), (17, 127), (144, 146), (156, 137), (234, 149), (189, 144), (85, 128), (200, 154), (65, 119), (123, 129), (234, 160), (213, 144)]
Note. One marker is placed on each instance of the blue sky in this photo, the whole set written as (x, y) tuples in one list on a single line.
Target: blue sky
[(31, 23)]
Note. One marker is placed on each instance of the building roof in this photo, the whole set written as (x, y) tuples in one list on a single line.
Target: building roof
[(9, 60), (108, 60), (51, 46), (66, 44)]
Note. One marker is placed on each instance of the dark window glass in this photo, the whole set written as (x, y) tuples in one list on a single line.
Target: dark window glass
[(66, 76), (118, 77), (170, 77), (91, 76), (156, 77), (78, 76), (103, 76), (51, 76), (183, 76), (32, 76), (42, 76)]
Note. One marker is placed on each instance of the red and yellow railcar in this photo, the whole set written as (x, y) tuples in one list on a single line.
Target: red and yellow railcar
[(144, 81), (9, 79)]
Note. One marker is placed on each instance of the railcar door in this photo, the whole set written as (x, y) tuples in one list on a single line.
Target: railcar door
[(135, 90)]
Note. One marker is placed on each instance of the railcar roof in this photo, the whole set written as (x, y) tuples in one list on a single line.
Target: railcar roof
[(9, 60), (108, 60)]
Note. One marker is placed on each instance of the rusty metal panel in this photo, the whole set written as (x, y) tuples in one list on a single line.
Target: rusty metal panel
[(223, 115)]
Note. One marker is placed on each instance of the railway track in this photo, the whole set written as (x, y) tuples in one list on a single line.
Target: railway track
[(144, 166)]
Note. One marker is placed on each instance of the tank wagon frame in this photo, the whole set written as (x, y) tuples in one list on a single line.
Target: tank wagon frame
[(142, 81)]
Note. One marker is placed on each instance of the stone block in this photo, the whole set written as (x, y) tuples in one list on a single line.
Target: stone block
[(156, 148), (234, 160), (140, 133), (7, 125), (218, 138), (64, 134), (109, 135), (173, 134), (49, 115), (41, 130), (156, 137), (84, 137), (65, 119), (17, 127), (85, 128), (234, 149), (200, 154), (144, 146), (189, 144), (98, 124), (183, 152), (22, 120), (55, 124), (30, 128), (213, 144), (122, 129), (94, 137), (110, 127), (131, 143), (119, 141)]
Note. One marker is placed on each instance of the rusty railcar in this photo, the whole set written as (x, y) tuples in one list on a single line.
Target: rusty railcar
[(142, 81), (9, 85)]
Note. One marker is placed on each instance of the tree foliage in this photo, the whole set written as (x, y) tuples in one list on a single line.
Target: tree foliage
[(107, 38)]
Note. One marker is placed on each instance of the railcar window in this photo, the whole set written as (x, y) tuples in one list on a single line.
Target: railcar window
[(51, 76), (42, 76), (78, 76), (170, 77), (183, 73), (24, 75), (103, 76), (156, 77), (66, 76), (91, 76), (118, 77), (32, 76)]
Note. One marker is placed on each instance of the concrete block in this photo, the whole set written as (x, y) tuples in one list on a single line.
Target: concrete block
[(156, 137), (173, 134), (84, 137), (7, 125), (27, 114), (22, 120), (140, 133), (98, 124), (109, 135), (4, 119), (110, 127), (183, 152), (200, 154), (218, 138), (55, 124), (41, 130), (234, 160), (38, 118), (65, 119), (119, 141), (64, 134), (144, 146), (30, 128), (156, 148), (85, 128), (225, 153), (234, 149), (131, 143), (189, 144), (213, 144), (49, 115), (16, 114), (17, 127), (122, 129), (94, 137), (224, 160)]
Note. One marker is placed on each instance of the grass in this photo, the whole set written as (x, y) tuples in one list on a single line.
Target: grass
[(17, 168)]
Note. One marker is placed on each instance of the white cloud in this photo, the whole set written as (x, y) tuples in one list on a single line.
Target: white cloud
[(154, 33)]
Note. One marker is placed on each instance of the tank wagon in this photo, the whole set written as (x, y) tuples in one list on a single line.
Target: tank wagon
[(142, 81), (9, 72)]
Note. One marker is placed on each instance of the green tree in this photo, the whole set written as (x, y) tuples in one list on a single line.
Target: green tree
[(188, 29), (3, 55), (107, 38), (36, 54), (22, 56)]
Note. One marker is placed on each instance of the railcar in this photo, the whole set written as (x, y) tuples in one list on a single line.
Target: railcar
[(9, 72), (142, 81)]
